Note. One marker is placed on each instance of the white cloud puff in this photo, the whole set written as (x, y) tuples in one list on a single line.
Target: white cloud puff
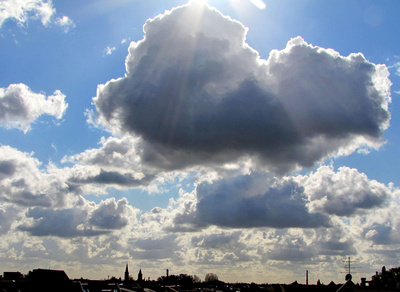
[(65, 22), (344, 193), (194, 88), (20, 107), (23, 10)]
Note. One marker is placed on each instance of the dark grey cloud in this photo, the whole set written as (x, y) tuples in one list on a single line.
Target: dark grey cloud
[(219, 240), (82, 219), (111, 178), (292, 254), (196, 93), (250, 201), (335, 247), (228, 203), (7, 168), (381, 233), (61, 223)]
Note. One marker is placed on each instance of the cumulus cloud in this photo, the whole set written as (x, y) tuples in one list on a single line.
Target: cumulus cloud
[(261, 200), (62, 223), (85, 219), (20, 107), (111, 214), (114, 153), (343, 193), (23, 183), (23, 10), (250, 201), (195, 88)]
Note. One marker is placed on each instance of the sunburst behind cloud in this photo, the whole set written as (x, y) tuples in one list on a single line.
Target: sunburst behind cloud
[(259, 4)]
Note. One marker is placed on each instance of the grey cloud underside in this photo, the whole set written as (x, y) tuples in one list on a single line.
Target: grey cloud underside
[(61, 223), (7, 168), (197, 90), (247, 202), (112, 178), (12, 106), (109, 215), (228, 204), (259, 200)]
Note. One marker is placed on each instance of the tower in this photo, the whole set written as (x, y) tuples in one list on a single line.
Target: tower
[(126, 278), (140, 276)]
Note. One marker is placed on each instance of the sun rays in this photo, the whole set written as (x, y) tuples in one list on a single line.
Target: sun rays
[(260, 4)]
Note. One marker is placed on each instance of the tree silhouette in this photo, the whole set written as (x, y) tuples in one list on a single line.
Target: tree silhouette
[(211, 277)]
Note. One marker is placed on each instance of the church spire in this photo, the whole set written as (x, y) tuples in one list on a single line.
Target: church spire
[(126, 274), (140, 275)]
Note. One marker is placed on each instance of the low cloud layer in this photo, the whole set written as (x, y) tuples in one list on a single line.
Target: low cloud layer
[(194, 88), (259, 200), (20, 107)]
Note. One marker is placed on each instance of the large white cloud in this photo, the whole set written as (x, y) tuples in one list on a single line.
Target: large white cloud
[(194, 89), (20, 107)]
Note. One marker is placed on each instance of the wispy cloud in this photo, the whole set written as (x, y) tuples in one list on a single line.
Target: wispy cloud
[(22, 11), (109, 50)]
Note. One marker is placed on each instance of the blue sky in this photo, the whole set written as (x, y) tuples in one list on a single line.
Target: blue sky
[(174, 144)]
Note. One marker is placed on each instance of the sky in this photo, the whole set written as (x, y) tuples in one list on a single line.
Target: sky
[(251, 139)]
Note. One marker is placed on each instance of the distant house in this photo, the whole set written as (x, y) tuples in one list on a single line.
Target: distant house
[(12, 276), (50, 276)]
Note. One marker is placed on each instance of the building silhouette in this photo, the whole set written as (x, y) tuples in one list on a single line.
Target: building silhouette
[(45, 280)]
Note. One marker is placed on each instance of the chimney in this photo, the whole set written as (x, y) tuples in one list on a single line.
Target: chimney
[(307, 277)]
